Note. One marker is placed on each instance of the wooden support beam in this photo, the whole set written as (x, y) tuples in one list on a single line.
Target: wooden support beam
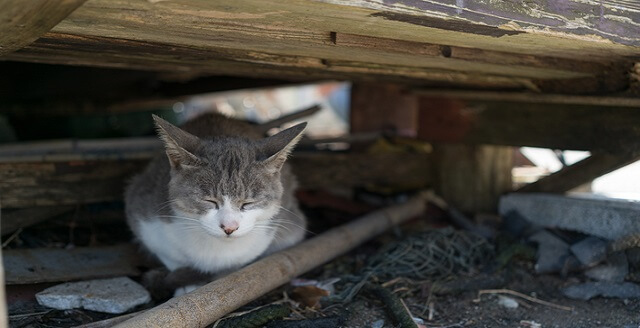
[(532, 98), (28, 184), (64, 183), (383, 107), (22, 22), (615, 20), (580, 173), (471, 178), (557, 126), (534, 46)]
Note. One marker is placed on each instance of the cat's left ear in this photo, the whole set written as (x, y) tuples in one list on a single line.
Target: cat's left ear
[(276, 148)]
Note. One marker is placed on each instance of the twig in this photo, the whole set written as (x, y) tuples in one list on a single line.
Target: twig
[(256, 318), (526, 297), (18, 316), (264, 127), (11, 238), (396, 308)]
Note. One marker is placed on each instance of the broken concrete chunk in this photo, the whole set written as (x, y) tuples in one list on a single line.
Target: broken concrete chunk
[(507, 302), (606, 218), (590, 290), (552, 252), (615, 270), (590, 251), (116, 295)]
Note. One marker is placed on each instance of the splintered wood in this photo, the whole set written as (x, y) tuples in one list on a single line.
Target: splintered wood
[(210, 302)]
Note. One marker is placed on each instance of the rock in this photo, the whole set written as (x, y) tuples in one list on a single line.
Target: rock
[(377, 324), (507, 302), (615, 270), (590, 251), (590, 290), (633, 256), (552, 252), (115, 295), (606, 218)]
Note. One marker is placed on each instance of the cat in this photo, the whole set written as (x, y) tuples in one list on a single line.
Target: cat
[(219, 197)]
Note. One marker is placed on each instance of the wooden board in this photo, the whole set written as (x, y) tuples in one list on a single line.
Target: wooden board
[(29, 266), (559, 126), (506, 45), (27, 184), (22, 22)]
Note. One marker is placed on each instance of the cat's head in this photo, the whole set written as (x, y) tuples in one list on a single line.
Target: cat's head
[(228, 186)]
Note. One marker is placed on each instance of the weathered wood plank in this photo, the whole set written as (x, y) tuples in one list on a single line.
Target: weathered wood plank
[(308, 64), (64, 183), (88, 181), (238, 38), (22, 22), (383, 107), (580, 173), (322, 171), (563, 126), (534, 98), (29, 266), (613, 20)]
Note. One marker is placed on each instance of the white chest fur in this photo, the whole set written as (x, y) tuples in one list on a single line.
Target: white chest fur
[(179, 245)]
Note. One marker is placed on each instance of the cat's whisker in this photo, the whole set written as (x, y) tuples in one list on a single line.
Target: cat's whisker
[(178, 217), (164, 205)]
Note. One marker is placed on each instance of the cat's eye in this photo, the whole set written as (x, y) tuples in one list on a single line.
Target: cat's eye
[(213, 202), (245, 206)]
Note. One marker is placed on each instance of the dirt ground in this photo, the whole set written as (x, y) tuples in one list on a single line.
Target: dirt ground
[(453, 307)]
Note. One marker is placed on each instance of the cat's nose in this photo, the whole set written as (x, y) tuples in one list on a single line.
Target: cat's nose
[(229, 228)]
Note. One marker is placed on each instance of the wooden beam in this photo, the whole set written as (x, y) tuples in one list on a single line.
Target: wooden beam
[(383, 107), (533, 98), (497, 46), (580, 173), (28, 184), (471, 178), (558, 126), (615, 20), (22, 22), (64, 183)]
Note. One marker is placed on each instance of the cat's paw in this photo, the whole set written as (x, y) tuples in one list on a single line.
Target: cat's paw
[(186, 289)]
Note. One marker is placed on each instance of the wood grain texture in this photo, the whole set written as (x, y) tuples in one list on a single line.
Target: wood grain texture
[(357, 40), (558, 126), (22, 22), (611, 20), (49, 183)]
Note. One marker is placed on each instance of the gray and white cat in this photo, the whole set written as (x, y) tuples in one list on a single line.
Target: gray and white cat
[(221, 197)]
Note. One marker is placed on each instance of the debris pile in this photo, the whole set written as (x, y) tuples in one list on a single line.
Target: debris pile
[(594, 237)]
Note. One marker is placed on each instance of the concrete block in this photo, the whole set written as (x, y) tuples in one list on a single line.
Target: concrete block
[(606, 218), (115, 295)]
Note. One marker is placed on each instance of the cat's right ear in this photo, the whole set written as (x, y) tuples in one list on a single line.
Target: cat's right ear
[(177, 143)]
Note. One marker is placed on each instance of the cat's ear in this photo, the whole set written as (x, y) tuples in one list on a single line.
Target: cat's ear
[(177, 143), (275, 149)]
